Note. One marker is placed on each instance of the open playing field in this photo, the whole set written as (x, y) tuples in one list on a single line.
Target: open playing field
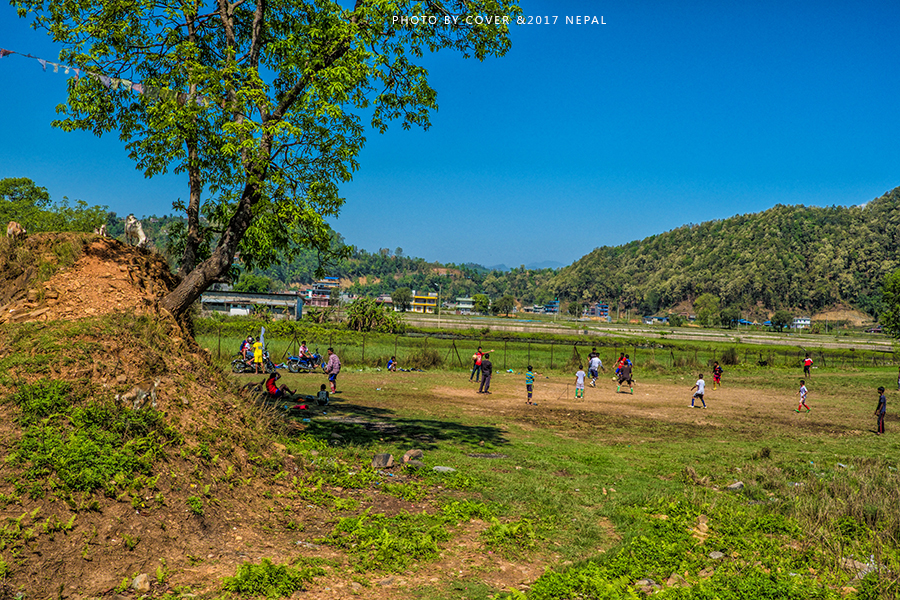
[(592, 477)]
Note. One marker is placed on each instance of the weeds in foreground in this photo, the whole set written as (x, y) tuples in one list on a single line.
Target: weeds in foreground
[(270, 580)]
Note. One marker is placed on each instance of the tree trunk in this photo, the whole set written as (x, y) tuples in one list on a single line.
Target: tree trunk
[(179, 300)]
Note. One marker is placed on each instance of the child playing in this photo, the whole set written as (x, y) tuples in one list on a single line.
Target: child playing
[(579, 382), (625, 376), (700, 386), (807, 365), (392, 364), (880, 410), (529, 385), (803, 391), (594, 367), (717, 375)]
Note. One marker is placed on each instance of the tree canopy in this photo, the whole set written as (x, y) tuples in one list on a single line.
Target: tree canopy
[(29, 204), (259, 104)]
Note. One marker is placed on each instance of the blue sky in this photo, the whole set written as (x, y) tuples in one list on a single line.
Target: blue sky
[(582, 136)]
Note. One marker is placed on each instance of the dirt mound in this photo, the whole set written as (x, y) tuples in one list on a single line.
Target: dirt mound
[(70, 276), (854, 318)]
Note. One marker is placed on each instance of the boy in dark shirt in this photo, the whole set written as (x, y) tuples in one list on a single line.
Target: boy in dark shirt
[(880, 410), (486, 369)]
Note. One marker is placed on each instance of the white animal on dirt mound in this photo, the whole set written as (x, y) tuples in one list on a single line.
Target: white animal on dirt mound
[(134, 233), (15, 232), (101, 231)]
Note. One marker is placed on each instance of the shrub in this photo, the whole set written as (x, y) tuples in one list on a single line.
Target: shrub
[(269, 580)]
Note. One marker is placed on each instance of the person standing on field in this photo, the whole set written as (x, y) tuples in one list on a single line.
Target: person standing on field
[(803, 392), (529, 384), (717, 375), (881, 410), (579, 382), (807, 365), (332, 369), (594, 366), (700, 386), (258, 358), (487, 369), (476, 364)]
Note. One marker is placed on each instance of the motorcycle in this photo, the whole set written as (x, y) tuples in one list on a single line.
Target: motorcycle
[(307, 364), (239, 365)]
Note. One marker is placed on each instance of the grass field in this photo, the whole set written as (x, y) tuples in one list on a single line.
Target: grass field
[(618, 494)]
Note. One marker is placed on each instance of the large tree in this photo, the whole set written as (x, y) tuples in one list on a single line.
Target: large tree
[(258, 103)]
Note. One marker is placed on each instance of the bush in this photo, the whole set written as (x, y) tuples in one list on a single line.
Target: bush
[(730, 357), (424, 358), (269, 580)]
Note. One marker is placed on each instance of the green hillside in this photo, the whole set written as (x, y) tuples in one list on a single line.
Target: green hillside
[(786, 257)]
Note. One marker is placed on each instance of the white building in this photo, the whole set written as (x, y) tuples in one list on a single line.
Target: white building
[(801, 323)]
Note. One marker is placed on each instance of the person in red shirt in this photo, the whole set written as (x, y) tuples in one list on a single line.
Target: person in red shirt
[(274, 390), (807, 365)]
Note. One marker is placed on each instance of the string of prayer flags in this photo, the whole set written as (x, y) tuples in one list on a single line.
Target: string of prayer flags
[(114, 83)]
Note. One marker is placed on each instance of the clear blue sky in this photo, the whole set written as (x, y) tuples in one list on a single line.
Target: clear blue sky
[(582, 136)]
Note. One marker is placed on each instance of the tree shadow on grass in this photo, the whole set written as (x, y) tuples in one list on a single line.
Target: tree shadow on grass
[(364, 425)]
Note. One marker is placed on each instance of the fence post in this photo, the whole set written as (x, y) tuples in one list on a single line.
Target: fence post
[(395, 344), (529, 353), (551, 354), (504, 355), (364, 350)]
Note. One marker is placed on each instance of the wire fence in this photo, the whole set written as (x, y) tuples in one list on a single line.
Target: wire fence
[(418, 350)]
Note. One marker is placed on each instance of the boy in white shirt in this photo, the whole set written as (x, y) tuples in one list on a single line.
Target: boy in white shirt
[(700, 386)]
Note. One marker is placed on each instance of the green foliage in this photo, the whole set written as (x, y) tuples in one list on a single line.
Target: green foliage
[(270, 580), (788, 256), (890, 295), (729, 317), (389, 543), (514, 537), (364, 314), (195, 503), (83, 448), (270, 124), (402, 298), (23, 201), (781, 319), (482, 303), (504, 305), (707, 308), (248, 282)]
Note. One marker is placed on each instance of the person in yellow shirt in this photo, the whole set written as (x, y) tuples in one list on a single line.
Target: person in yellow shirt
[(258, 358)]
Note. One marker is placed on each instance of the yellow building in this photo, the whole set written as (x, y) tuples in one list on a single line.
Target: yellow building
[(424, 303)]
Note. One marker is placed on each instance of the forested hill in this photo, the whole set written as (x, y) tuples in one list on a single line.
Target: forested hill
[(786, 257)]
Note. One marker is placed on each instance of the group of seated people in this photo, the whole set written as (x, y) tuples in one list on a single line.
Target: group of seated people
[(283, 391)]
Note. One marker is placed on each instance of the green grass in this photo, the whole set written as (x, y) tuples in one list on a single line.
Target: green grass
[(581, 490)]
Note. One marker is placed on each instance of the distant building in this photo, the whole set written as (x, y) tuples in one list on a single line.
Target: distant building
[(599, 310), (424, 303), (282, 306), (654, 320), (801, 323), (465, 306), (319, 295), (552, 307), (385, 299)]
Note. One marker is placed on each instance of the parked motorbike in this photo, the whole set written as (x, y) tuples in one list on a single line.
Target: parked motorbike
[(239, 365), (307, 364)]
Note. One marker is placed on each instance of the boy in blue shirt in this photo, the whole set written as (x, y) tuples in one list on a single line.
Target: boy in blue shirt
[(529, 384)]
